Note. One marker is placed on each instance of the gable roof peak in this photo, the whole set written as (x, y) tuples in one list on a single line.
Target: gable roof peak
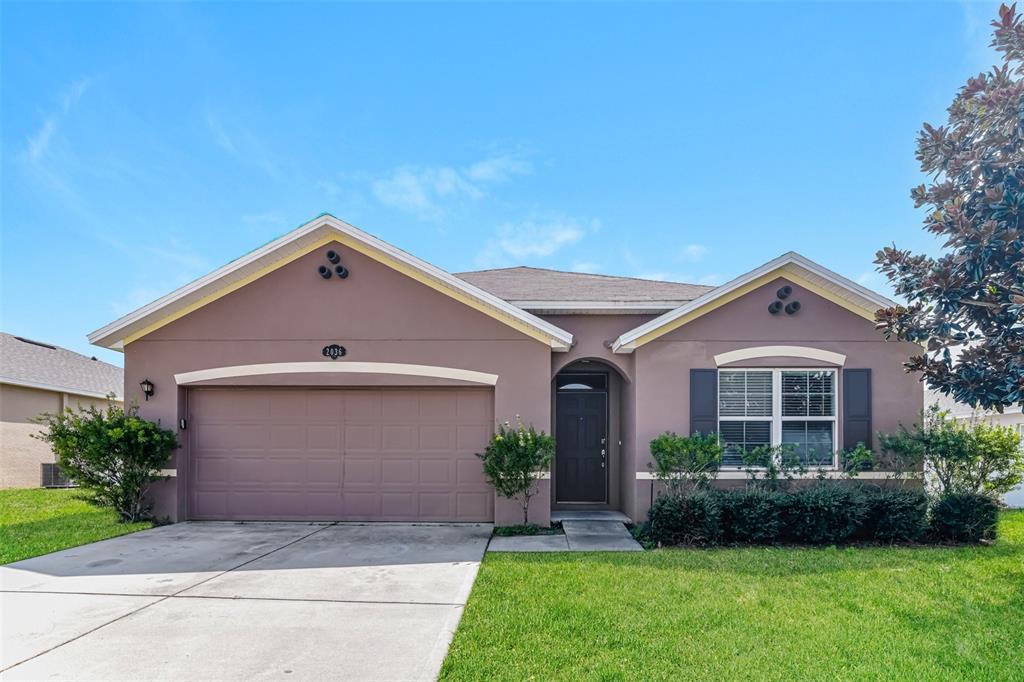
[(319, 231)]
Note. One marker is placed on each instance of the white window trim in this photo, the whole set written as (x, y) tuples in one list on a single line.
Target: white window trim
[(776, 417)]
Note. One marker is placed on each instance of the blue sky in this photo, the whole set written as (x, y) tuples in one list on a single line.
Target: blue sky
[(144, 145)]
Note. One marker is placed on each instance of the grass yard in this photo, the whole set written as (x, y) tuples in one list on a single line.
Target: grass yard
[(37, 521), (929, 613)]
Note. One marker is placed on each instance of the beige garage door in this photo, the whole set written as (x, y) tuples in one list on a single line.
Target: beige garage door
[(331, 454)]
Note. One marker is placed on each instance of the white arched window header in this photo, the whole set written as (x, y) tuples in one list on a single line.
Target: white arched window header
[(332, 367), (780, 352)]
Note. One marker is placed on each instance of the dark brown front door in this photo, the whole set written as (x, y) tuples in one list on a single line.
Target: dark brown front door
[(580, 462)]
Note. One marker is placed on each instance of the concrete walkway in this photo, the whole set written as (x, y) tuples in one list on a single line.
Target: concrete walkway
[(228, 601), (580, 536)]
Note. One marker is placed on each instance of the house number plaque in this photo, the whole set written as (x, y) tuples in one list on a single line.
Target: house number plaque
[(334, 351)]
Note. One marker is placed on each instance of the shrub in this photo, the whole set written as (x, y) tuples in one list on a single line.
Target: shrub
[(515, 459), (960, 457), (964, 517), (681, 459), (690, 519), (894, 515), (114, 454), (825, 513), (750, 515)]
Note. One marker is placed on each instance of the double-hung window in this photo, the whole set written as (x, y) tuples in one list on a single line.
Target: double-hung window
[(795, 408)]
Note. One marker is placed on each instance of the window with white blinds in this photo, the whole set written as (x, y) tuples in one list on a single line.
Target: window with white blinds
[(795, 408)]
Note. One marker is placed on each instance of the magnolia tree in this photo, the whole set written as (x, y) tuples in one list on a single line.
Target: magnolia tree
[(515, 460), (967, 306)]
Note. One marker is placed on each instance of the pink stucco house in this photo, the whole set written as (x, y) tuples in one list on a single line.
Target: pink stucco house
[(330, 375)]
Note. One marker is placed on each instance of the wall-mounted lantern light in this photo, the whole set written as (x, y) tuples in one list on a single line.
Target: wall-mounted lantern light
[(147, 387)]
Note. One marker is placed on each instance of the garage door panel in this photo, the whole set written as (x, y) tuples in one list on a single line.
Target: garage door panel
[(474, 505), (398, 437), (323, 472), (288, 437), (323, 437), (362, 437), (440, 437), (438, 405), (472, 438), (339, 454), (398, 471)]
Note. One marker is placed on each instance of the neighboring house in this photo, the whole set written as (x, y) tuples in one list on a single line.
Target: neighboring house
[(38, 378), (1011, 417), (302, 394)]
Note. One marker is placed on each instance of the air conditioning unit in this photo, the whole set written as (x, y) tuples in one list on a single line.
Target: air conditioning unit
[(53, 477)]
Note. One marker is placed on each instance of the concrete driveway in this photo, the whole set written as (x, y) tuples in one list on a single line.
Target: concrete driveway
[(233, 601)]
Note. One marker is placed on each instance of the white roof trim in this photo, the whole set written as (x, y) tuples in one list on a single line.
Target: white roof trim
[(780, 352), (113, 334), (624, 344), (597, 305), (57, 389)]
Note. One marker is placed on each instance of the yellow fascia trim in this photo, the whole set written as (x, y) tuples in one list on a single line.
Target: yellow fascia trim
[(785, 271), (361, 248)]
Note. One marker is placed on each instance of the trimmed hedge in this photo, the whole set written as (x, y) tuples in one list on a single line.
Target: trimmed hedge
[(895, 515), (690, 519), (824, 513), (751, 515), (966, 517)]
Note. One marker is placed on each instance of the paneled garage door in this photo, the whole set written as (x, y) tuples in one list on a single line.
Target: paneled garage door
[(332, 454)]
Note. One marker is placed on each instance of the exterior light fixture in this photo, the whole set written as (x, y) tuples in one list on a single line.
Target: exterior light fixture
[(324, 271), (784, 292), (341, 271), (792, 307), (147, 387), (774, 307), (333, 256)]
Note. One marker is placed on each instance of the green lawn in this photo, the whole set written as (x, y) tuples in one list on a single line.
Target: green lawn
[(752, 613), (37, 521)]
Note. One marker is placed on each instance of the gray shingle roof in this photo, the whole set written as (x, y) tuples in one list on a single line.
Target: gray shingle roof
[(522, 284), (44, 365)]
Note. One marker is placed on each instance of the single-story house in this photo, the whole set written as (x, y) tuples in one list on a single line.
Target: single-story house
[(39, 378), (331, 375), (1011, 417)]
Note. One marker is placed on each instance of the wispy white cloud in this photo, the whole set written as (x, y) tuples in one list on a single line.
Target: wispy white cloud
[(241, 142), (586, 266), (420, 191), (38, 144), (693, 252), (499, 168), (532, 238), (426, 191)]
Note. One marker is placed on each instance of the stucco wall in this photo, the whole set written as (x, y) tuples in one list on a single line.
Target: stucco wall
[(662, 366), (378, 314), (20, 453)]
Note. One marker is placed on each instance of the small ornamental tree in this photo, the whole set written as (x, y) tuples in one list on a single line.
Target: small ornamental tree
[(113, 453), (679, 460), (514, 461), (967, 306)]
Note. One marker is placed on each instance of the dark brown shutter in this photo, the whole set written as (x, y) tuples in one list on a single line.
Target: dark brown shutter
[(856, 407), (703, 401)]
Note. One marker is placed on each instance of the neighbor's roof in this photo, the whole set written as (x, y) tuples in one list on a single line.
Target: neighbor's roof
[(553, 290), (35, 364), (320, 231)]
